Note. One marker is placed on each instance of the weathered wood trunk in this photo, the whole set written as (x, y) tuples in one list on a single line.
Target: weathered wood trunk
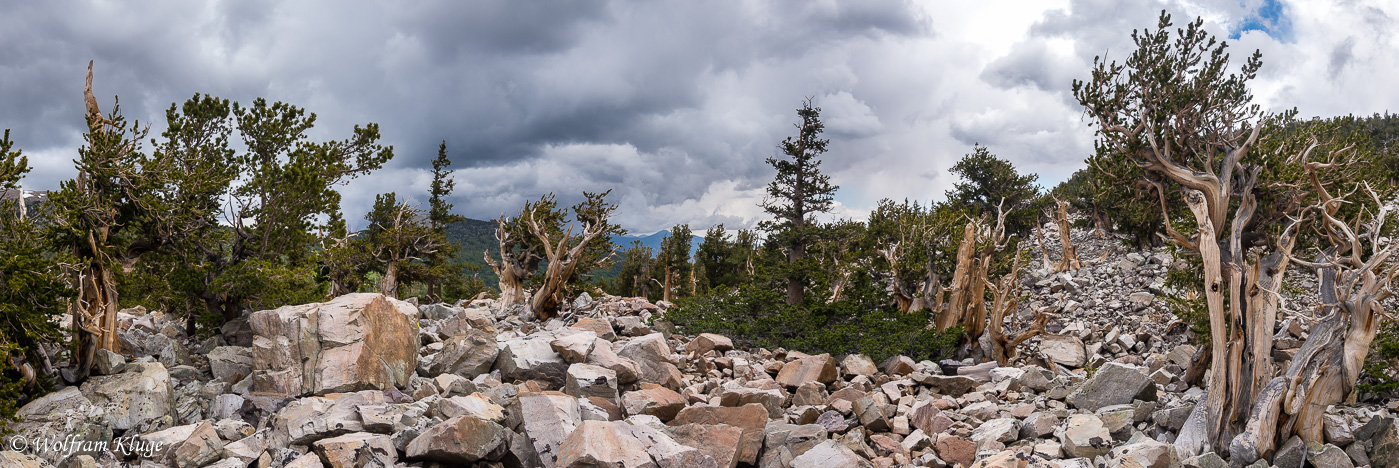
[(1068, 254), (962, 279), (388, 285)]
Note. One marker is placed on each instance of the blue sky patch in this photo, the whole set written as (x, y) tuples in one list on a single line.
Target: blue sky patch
[(1270, 18)]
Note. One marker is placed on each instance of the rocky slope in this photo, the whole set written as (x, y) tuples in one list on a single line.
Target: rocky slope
[(363, 380)]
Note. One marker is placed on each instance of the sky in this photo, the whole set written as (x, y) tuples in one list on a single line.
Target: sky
[(674, 105)]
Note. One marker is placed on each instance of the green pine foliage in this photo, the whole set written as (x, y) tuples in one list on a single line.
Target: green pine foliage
[(986, 183)]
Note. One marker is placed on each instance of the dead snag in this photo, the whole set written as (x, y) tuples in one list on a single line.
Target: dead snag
[(549, 297), (1069, 255), (512, 269)]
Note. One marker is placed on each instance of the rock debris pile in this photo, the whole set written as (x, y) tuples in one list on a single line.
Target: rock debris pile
[(368, 381)]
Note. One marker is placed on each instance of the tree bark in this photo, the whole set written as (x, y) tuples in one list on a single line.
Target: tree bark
[(1069, 255), (388, 285)]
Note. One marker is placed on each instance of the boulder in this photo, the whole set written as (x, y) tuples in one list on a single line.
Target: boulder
[(795, 439), (1112, 384), (548, 418), (532, 358), (898, 365), (1065, 350), (820, 369), (360, 449), (950, 385), (603, 356), (231, 363), (474, 405), (587, 380), (1002, 430), (653, 360), (468, 355), (1293, 453), (1329, 455), (438, 311), (830, 453), (462, 439), (955, 449), (576, 347), (1084, 436), (858, 364), (656, 401), (193, 445), (353, 342), (108, 362), (751, 418), (601, 327), (707, 342), (601, 443), (1146, 453), (10, 458), (140, 398), (718, 441), (66, 412), (1384, 433)]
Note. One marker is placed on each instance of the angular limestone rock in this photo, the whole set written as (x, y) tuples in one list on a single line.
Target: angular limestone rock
[(354, 342)]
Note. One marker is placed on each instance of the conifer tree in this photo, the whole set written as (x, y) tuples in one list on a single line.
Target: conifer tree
[(798, 192), (439, 265)]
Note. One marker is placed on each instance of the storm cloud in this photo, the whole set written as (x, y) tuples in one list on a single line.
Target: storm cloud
[(673, 105)]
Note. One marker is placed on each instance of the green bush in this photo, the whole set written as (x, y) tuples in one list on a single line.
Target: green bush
[(756, 317)]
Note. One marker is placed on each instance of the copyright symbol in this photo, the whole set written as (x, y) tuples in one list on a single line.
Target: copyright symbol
[(18, 444)]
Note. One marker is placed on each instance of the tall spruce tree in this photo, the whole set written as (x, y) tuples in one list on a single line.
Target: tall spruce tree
[(798, 192), (674, 261), (440, 265)]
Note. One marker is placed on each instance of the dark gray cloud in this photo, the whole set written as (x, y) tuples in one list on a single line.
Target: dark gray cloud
[(672, 104)]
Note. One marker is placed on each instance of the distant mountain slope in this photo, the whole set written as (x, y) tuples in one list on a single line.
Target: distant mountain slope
[(654, 241), (474, 236)]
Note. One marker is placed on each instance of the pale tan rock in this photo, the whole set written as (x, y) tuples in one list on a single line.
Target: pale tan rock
[(1084, 436), (141, 397), (599, 443), (353, 342), (587, 380), (576, 347), (751, 418), (548, 418), (653, 360), (463, 439), (830, 453), (707, 342), (356, 450), (656, 401), (1064, 350), (821, 369), (468, 355), (603, 356)]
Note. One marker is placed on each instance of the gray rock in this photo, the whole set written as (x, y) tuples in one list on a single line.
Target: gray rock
[(1084, 436), (653, 359), (231, 363), (1064, 350), (1291, 455), (830, 453), (532, 358), (108, 362), (468, 355), (1329, 456), (463, 439), (1205, 460), (1112, 384), (140, 398)]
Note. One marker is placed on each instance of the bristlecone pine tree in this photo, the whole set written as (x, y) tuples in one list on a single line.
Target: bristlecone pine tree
[(1174, 108), (396, 237), (798, 192)]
